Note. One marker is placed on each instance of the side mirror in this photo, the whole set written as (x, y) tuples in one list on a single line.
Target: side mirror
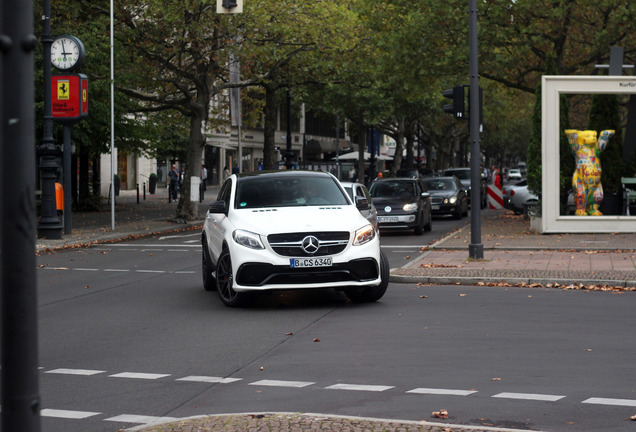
[(426, 195), (218, 207), (362, 203)]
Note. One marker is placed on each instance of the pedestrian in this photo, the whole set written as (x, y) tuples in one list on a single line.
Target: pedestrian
[(226, 172), (204, 176), (352, 174), (173, 182)]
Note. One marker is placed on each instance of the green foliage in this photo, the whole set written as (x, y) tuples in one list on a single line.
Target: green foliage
[(534, 160)]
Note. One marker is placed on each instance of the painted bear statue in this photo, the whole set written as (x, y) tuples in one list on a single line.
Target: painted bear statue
[(586, 180)]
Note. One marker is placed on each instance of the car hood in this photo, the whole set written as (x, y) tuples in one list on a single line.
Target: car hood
[(444, 194), (299, 219), (379, 202)]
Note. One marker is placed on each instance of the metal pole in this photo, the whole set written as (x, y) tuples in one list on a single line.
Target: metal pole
[(112, 117), (19, 358), (475, 248), (288, 158), (49, 226), (338, 146), (68, 221)]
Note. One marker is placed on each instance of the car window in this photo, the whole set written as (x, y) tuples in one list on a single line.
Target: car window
[(225, 193), (441, 185), (461, 174)]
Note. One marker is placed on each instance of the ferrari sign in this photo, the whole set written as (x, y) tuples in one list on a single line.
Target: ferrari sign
[(69, 98)]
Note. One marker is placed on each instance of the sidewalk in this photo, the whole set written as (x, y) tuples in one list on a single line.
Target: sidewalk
[(515, 255)]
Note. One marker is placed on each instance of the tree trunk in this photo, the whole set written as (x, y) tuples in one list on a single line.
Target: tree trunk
[(188, 209)]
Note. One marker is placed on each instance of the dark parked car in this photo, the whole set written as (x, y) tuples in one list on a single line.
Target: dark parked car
[(448, 196), (463, 174), (402, 203)]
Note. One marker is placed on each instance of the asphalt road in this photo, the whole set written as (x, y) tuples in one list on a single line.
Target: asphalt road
[(127, 335)]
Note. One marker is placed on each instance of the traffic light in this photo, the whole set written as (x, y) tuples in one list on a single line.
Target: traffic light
[(457, 108), (229, 6)]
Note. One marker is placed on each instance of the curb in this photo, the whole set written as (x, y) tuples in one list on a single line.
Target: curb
[(251, 422)]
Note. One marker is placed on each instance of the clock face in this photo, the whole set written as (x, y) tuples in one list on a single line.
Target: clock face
[(67, 52)]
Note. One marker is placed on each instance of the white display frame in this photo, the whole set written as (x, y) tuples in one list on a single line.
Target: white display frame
[(551, 221)]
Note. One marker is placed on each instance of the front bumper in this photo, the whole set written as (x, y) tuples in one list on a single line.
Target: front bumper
[(397, 221)]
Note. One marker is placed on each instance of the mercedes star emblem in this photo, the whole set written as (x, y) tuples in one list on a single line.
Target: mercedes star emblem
[(310, 245)]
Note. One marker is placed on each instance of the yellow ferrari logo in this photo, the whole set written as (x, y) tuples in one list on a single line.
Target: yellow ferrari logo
[(63, 90)]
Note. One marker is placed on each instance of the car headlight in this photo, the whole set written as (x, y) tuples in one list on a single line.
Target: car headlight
[(452, 200), (364, 235), (248, 239), (410, 207)]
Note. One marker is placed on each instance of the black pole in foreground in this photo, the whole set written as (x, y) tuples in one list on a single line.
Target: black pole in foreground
[(20, 390), (475, 248)]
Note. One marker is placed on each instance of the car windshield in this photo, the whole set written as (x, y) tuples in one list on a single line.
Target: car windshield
[(441, 185), (288, 191), (460, 174), (387, 189)]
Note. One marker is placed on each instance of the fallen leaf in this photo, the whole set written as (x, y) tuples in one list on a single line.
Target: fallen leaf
[(87, 286), (496, 379), (262, 368), (633, 417), (407, 257), (463, 295), (316, 340), (289, 334), (440, 414), (423, 296)]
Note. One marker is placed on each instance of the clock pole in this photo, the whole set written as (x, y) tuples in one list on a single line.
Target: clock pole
[(49, 225)]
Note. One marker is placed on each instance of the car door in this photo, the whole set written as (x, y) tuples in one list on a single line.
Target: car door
[(217, 222), (425, 198)]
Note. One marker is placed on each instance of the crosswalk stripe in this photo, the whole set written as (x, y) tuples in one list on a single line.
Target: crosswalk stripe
[(357, 387), (136, 375), (208, 379), (442, 391), (75, 371), (609, 401), (529, 396), (278, 383), (67, 414), (130, 418)]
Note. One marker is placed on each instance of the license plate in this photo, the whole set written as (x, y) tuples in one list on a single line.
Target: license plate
[(310, 262), (388, 219), (435, 207)]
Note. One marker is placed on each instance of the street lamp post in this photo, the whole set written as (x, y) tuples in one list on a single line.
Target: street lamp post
[(289, 153), (49, 225)]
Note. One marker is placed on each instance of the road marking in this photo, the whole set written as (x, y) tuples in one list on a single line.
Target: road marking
[(136, 375), (85, 269), (85, 372), (278, 383), (178, 250), (47, 412), (130, 418), (442, 391), (356, 387), (208, 379), (150, 271), (529, 396), (116, 270), (609, 401)]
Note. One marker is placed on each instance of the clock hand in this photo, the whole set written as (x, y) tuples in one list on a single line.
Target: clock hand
[(64, 53)]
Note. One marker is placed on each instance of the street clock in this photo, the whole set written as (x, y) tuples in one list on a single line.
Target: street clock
[(67, 53)]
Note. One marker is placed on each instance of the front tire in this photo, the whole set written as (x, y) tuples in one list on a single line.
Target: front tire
[(207, 269), (371, 294), (225, 282)]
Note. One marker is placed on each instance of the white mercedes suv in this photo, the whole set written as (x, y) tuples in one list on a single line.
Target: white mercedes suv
[(271, 230)]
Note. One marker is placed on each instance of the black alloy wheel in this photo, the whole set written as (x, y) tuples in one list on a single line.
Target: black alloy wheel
[(225, 282)]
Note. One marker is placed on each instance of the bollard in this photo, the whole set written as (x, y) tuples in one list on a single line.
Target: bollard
[(137, 193), (144, 191)]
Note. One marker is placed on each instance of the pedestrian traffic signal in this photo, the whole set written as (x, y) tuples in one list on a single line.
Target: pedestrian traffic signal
[(457, 108), (229, 6)]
